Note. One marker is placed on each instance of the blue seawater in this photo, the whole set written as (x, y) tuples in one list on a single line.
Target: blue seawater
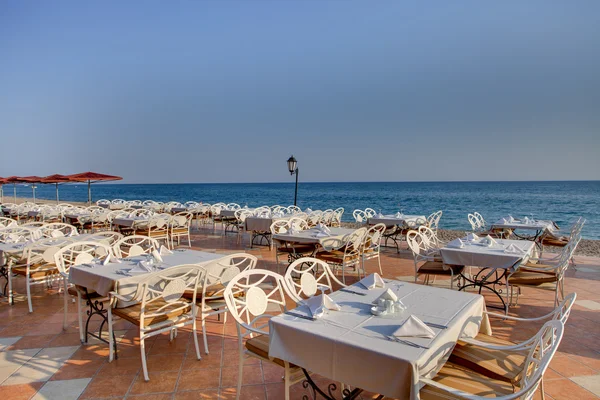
[(558, 201)]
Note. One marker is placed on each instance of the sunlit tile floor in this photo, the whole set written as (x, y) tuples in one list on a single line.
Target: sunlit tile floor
[(38, 359)]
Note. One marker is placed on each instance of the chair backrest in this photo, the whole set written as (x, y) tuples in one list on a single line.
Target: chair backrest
[(369, 212), (219, 273), (336, 217), (542, 350), (18, 234), (433, 220), (77, 253), (373, 237), (314, 275), (314, 218), (162, 294), (562, 312), (141, 212), (279, 226), (103, 202), (327, 216), (429, 237), (34, 225), (293, 210), (58, 229), (353, 242), (416, 243), (181, 220), (359, 216), (481, 220), (298, 224), (242, 214), (134, 245), (233, 206), (474, 221), (7, 222), (261, 288)]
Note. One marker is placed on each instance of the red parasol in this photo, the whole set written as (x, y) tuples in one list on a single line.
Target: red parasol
[(33, 180), (14, 180), (92, 177), (56, 179)]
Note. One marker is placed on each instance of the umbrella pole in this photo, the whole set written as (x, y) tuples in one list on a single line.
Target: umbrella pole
[(56, 193), (1, 194), (89, 193), (33, 188), (15, 191)]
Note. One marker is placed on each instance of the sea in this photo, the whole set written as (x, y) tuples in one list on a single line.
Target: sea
[(561, 202)]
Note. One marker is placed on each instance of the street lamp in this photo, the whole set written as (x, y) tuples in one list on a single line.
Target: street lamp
[(293, 168)]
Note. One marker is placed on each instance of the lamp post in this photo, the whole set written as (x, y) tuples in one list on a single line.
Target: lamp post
[(293, 168)]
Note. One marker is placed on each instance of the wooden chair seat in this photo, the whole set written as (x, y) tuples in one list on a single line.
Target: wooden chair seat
[(438, 268), (132, 313), (557, 242), (298, 248), (531, 278), (336, 257), (259, 345), (461, 378), (211, 292), (180, 231), (37, 272), (504, 365)]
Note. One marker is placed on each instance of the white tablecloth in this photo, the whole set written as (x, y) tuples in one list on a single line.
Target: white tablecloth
[(351, 345), (258, 224), (474, 254), (310, 236), (548, 226), (393, 220), (130, 222), (104, 278)]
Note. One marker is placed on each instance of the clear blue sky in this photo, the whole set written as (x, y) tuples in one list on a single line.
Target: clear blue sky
[(225, 91)]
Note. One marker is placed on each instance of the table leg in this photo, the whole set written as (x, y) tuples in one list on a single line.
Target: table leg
[(482, 281), (97, 308), (332, 387)]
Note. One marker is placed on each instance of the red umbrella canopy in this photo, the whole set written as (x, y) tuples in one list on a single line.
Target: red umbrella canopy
[(56, 178), (31, 179), (3, 181), (14, 179), (93, 176)]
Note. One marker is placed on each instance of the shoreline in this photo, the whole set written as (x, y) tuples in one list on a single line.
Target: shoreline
[(587, 247)]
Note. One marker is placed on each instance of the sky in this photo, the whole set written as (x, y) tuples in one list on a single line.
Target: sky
[(226, 91)]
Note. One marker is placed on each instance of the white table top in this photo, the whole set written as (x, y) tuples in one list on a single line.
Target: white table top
[(477, 255), (130, 221), (311, 236), (351, 345), (105, 278), (393, 219)]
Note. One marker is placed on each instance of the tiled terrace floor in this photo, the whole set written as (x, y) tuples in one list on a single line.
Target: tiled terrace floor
[(39, 360)]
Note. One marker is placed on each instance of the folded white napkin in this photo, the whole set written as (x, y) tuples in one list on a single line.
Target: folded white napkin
[(456, 244), (57, 234), (387, 295), (379, 215), (471, 237), (322, 234), (106, 260), (318, 305), (511, 218), (13, 238), (323, 228), (372, 281), (140, 267), (292, 231), (164, 251), (278, 215), (157, 256), (488, 241), (414, 327), (398, 215), (512, 249), (308, 210)]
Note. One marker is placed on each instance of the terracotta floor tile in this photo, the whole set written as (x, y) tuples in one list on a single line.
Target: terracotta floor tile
[(160, 382), (108, 386), (252, 376), (32, 342), (205, 394), (121, 366), (20, 392), (165, 362), (564, 389), (568, 367), (66, 339), (197, 379), (152, 396), (77, 369), (254, 392)]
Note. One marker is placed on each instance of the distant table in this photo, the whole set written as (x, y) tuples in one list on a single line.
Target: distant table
[(396, 223), (491, 260), (539, 227), (313, 236), (130, 222), (352, 346)]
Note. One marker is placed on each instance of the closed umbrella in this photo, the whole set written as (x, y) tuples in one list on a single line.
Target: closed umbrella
[(92, 177), (2, 182), (33, 180), (56, 179)]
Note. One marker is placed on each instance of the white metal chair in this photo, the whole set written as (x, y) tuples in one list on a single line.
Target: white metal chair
[(134, 245), (372, 245), (434, 220), (457, 382), (360, 216), (261, 289), (107, 237), (336, 217), (426, 264), (502, 359), (73, 254), (179, 226), (7, 222), (314, 218), (292, 250), (369, 212), (240, 216), (218, 274), (58, 229), (349, 256), (162, 307), (306, 275)]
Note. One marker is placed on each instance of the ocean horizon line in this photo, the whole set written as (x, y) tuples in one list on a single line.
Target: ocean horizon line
[(301, 182)]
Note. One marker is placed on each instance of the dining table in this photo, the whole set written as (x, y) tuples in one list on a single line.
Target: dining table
[(332, 239), (536, 228), (495, 262), (359, 349), (396, 224)]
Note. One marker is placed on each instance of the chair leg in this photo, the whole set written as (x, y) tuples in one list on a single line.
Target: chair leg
[(28, 288), (11, 299), (204, 335), (111, 344), (195, 333), (65, 302), (82, 337), (143, 352), (240, 375), (379, 261), (286, 381), (542, 388)]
